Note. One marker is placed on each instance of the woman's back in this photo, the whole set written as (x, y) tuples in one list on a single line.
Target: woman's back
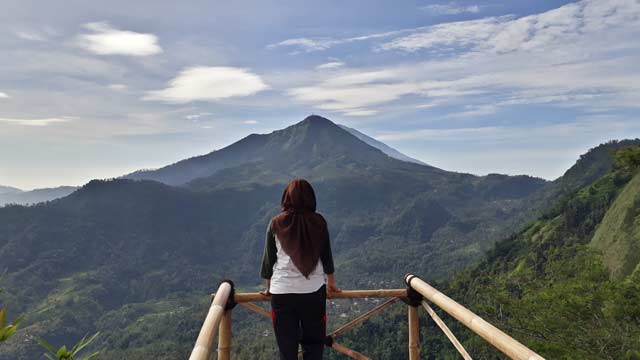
[(297, 255)]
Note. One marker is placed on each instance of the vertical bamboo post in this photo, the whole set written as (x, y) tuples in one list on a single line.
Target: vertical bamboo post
[(207, 336), (224, 337), (414, 333)]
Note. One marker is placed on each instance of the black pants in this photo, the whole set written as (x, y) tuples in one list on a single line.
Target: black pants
[(300, 319)]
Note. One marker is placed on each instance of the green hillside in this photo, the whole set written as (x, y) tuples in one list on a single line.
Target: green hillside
[(618, 236), (552, 291)]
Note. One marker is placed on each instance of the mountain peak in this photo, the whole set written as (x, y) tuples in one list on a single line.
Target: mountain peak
[(308, 146), (317, 120)]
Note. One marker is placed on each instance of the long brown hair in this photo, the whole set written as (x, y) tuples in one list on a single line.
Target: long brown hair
[(302, 232)]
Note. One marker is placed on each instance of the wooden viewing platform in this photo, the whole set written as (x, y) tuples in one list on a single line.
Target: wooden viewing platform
[(418, 293)]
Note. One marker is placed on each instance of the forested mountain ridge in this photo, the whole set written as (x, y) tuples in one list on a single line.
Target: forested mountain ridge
[(135, 259)]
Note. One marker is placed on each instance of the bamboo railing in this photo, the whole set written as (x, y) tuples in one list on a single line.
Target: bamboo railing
[(501, 341), (218, 320)]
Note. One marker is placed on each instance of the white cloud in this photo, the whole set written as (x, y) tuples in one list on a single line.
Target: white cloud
[(30, 35), (450, 9), (209, 84), (351, 99), (118, 87), (460, 34), (330, 65), (306, 44), (359, 112), (4, 95), (324, 43), (250, 122), (38, 33), (34, 122), (195, 117), (106, 40)]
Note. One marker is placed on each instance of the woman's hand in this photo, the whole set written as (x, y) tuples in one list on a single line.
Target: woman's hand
[(266, 292), (331, 284)]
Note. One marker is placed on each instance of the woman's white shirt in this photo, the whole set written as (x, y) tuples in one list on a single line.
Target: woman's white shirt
[(287, 279)]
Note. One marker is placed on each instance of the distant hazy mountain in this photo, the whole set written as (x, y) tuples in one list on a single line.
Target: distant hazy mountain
[(17, 196), (382, 146), (8, 190)]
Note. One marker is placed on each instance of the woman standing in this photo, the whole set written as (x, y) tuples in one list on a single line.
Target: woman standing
[(297, 255)]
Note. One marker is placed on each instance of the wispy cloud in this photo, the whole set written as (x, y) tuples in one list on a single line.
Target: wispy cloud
[(474, 111), (353, 99), (34, 122), (460, 34), (330, 65), (209, 84), (118, 87), (4, 95), (306, 44), (35, 33), (30, 35), (507, 33), (103, 39), (197, 116), (250, 122), (450, 9), (582, 54)]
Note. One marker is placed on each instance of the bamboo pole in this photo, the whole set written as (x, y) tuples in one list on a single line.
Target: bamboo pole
[(363, 317), (350, 353), (256, 309), (503, 342), (344, 294), (224, 337), (204, 344), (446, 331), (414, 333)]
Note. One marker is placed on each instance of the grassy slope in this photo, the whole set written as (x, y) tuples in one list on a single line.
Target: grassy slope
[(618, 236)]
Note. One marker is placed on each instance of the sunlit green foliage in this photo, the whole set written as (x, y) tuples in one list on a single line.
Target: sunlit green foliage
[(6, 331), (628, 158), (72, 354)]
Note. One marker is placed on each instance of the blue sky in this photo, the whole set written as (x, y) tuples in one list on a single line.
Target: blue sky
[(95, 90)]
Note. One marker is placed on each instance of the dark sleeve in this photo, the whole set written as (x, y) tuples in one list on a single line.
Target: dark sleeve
[(327, 258), (269, 256)]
